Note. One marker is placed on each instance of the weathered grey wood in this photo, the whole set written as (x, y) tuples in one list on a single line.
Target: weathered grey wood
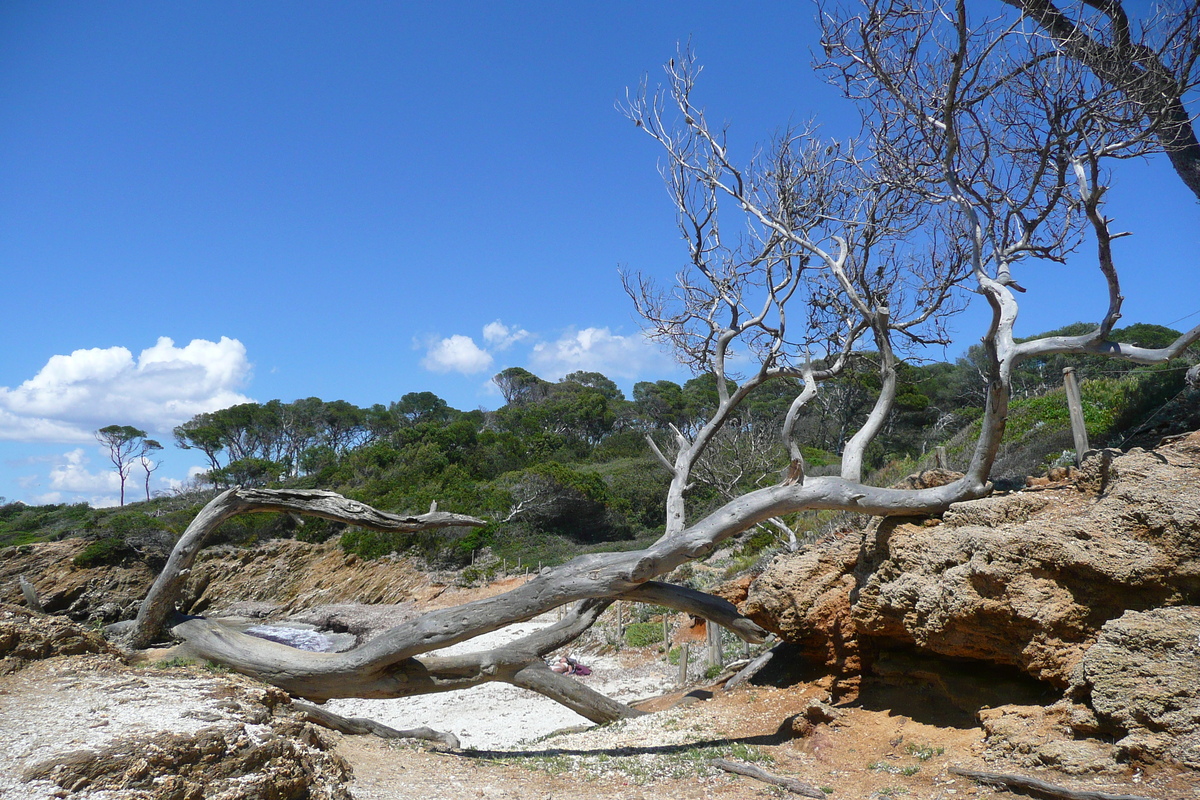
[(31, 596), (750, 771), (715, 657), (621, 626), (322, 676), (359, 726), (1039, 788), (683, 663), (387, 665), (750, 670), (940, 457), (581, 699), (1075, 408), (698, 604), (159, 604)]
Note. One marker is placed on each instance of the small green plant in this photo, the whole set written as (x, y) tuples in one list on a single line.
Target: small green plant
[(747, 752), (712, 671), (215, 668), (892, 791), (892, 769), (174, 663), (923, 752)]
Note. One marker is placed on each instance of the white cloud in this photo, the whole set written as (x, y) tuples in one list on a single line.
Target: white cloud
[(499, 336), (456, 353), (71, 474), (599, 350), (74, 395)]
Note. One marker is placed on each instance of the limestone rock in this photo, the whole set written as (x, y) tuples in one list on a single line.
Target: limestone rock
[(1142, 677), (1026, 579), (26, 637), (1036, 736), (106, 593)]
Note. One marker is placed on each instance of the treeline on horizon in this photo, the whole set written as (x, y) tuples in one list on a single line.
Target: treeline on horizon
[(570, 458), (564, 466)]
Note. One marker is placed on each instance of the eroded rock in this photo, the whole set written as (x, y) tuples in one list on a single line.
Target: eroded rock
[(1034, 736), (1142, 677), (1026, 579), (26, 637)]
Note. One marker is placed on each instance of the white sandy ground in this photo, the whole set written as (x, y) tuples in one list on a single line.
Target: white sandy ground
[(499, 715), (50, 709)]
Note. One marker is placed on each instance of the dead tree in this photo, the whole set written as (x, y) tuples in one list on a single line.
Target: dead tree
[(984, 153)]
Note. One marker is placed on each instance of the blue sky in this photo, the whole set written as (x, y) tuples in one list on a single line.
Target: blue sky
[(204, 203)]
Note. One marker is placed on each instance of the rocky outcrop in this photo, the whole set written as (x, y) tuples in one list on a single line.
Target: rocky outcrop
[(1026, 579), (1142, 678), (233, 763), (104, 593), (298, 575), (283, 574), (1029, 579), (26, 637)]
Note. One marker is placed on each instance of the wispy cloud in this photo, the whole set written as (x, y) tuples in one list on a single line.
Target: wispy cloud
[(616, 355), (75, 394), (499, 336), (599, 350)]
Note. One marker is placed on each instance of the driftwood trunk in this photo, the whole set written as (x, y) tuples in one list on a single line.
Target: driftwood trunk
[(398, 663)]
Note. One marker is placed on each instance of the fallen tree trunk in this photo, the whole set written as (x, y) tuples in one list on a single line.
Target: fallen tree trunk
[(360, 726), (323, 676), (395, 663), (750, 771), (1039, 788)]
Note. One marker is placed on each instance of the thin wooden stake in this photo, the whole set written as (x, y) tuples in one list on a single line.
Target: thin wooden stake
[(1075, 406)]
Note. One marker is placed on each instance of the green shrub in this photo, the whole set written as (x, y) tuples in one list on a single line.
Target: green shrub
[(104, 552), (643, 634)]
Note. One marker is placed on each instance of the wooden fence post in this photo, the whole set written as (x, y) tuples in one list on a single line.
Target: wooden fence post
[(1075, 406), (715, 657)]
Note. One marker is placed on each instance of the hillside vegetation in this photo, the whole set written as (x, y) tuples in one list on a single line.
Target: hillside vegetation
[(564, 467)]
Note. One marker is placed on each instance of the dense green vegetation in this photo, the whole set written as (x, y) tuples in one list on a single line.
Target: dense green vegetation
[(563, 467)]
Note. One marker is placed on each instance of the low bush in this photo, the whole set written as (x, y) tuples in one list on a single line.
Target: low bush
[(104, 552), (643, 634)]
